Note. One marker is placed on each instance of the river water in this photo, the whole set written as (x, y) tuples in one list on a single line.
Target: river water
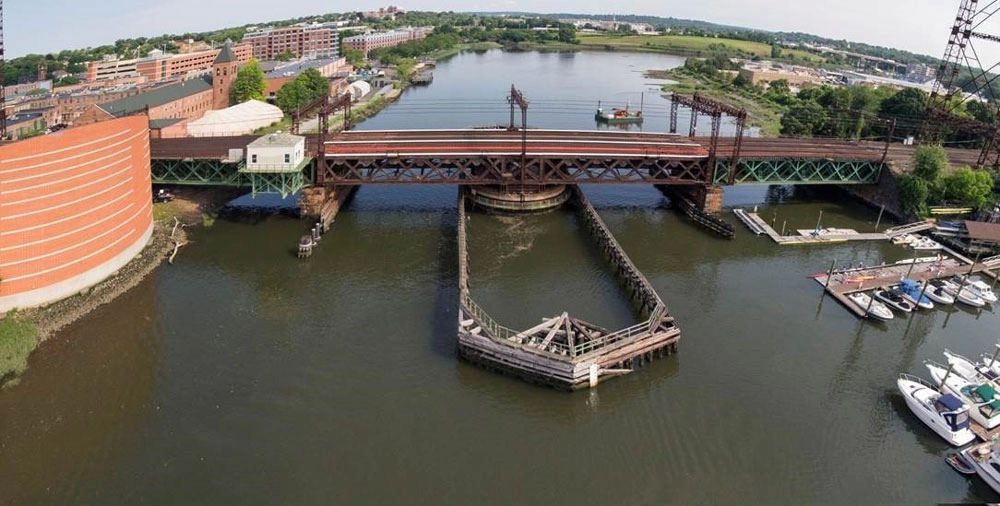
[(242, 375)]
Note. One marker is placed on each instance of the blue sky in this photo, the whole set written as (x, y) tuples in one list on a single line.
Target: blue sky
[(50, 25)]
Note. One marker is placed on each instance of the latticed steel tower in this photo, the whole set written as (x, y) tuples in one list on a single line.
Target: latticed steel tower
[(964, 69), (3, 98)]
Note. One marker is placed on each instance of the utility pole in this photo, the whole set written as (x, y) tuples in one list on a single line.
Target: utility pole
[(3, 98)]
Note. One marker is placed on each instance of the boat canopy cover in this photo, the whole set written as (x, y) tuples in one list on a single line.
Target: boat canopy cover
[(909, 285), (950, 402), (987, 393)]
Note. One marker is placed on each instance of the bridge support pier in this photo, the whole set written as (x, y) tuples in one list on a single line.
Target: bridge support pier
[(322, 203), (519, 199), (710, 199)]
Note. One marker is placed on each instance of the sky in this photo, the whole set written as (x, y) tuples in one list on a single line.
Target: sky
[(41, 26)]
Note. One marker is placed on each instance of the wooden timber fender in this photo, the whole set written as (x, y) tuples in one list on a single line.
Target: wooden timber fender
[(564, 352), (709, 221)]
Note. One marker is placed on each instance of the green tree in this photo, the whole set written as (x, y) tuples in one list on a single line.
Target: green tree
[(355, 57), (775, 51), (249, 84), (317, 84), (968, 187), (285, 55), (803, 118), (907, 107), (913, 192), (567, 33), (928, 162), (292, 95)]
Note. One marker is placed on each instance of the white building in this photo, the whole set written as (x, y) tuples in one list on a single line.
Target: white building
[(279, 152), (240, 119)]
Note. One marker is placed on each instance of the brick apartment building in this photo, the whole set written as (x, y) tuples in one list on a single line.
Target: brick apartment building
[(159, 67), (68, 104), (185, 100), (302, 41), (375, 40)]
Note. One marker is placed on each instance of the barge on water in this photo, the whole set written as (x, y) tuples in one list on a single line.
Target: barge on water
[(618, 116)]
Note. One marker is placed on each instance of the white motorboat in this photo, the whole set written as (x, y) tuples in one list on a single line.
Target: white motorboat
[(986, 461), (982, 396), (894, 300), (902, 239), (925, 244), (963, 295), (935, 291), (945, 413), (912, 292), (874, 308), (968, 369), (981, 289)]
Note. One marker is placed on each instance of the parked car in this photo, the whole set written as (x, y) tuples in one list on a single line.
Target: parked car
[(162, 195)]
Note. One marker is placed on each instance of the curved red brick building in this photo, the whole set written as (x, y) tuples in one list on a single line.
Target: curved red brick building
[(75, 206)]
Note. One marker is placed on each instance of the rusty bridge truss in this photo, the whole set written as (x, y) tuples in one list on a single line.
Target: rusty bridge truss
[(517, 155)]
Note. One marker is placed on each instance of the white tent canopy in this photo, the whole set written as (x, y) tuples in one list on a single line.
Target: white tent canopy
[(359, 89), (239, 119)]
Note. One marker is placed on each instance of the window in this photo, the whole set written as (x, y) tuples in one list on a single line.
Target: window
[(288, 158), (253, 158)]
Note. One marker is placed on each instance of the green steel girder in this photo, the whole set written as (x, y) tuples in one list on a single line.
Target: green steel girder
[(798, 171), (281, 183), (198, 173)]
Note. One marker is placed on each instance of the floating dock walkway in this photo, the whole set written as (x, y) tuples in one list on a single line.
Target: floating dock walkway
[(565, 352), (758, 226)]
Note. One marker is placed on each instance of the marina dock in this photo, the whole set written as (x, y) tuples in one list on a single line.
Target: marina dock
[(848, 281), (757, 225)]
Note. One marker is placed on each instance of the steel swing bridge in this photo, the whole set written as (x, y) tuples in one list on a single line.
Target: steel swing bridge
[(519, 155)]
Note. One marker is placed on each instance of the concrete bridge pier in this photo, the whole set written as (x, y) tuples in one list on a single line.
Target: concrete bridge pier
[(322, 203), (709, 198), (519, 198)]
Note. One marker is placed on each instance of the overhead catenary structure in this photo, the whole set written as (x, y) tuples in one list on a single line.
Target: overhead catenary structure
[(3, 102), (239, 119)]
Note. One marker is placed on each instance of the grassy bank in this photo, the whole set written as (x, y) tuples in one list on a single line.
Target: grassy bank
[(17, 340), (452, 51), (682, 45), (762, 114)]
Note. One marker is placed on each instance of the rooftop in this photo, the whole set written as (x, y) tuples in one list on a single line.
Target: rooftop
[(983, 231), (296, 68), (157, 96), (280, 139)]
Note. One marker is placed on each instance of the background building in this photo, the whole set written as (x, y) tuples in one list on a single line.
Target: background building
[(159, 66), (75, 206), (375, 40), (185, 100), (301, 41)]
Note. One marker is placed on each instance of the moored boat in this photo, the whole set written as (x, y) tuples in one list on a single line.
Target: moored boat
[(968, 369), (935, 291), (958, 462), (982, 397), (911, 291), (983, 290), (893, 299), (925, 244), (945, 414), (873, 308), (962, 294), (618, 116), (984, 458)]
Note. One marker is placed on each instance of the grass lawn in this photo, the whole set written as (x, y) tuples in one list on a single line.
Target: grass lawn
[(17, 340), (687, 45)]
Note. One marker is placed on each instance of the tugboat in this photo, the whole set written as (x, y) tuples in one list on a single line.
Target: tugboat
[(618, 116)]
